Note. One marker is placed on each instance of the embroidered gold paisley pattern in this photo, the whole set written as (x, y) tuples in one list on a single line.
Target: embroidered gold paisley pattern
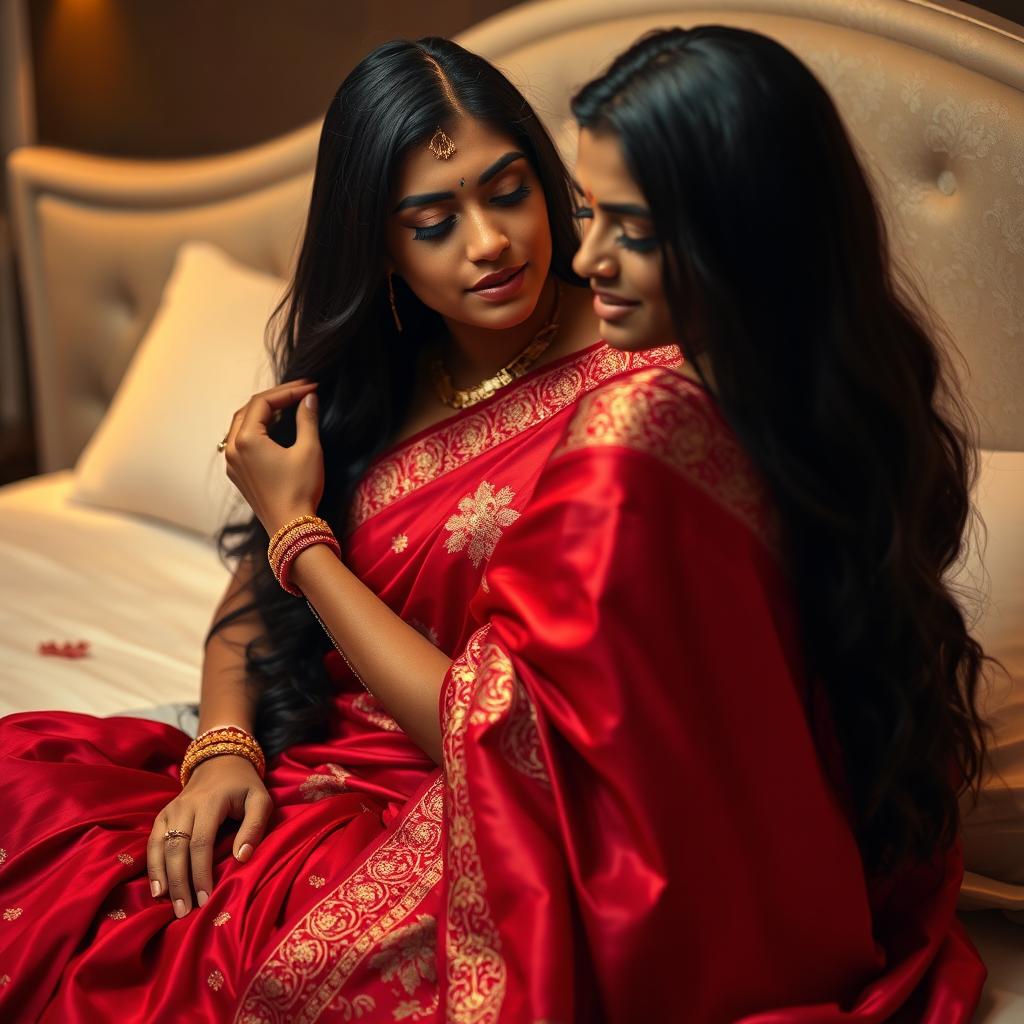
[(117, 915), (306, 972), (320, 786), (12, 913), (476, 973), (221, 919), (480, 522), (126, 859), (3, 855), (525, 405), (215, 980), (408, 954), (662, 414)]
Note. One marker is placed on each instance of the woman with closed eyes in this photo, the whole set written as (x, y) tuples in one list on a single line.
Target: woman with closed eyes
[(431, 348)]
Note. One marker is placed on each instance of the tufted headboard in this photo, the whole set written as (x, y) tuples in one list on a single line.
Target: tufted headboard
[(934, 95)]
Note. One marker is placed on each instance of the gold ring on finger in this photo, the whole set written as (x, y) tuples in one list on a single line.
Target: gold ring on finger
[(175, 834), (222, 443)]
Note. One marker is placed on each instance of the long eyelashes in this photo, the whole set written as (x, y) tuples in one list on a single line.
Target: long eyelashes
[(432, 232), (648, 244), (511, 198)]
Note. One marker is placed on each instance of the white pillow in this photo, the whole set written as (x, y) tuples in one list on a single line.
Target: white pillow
[(155, 451), (994, 829)]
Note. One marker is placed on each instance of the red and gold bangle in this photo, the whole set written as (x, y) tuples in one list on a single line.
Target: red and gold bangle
[(218, 741), (298, 521), (293, 535), (294, 549)]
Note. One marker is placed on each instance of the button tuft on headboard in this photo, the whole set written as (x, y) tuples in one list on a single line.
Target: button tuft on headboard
[(947, 183)]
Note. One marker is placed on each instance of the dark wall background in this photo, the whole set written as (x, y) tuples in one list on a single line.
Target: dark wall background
[(185, 77)]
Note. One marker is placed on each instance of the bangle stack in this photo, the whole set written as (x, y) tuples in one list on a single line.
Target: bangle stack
[(225, 739), (291, 539)]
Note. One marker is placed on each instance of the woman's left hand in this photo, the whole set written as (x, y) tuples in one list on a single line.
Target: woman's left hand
[(278, 483)]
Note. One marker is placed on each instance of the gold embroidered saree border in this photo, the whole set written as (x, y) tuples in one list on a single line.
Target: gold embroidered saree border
[(664, 415), (310, 966), (476, 974), (524, 405)]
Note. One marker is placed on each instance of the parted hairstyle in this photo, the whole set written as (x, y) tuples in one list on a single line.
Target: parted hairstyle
[(335, 326), (778, 274)]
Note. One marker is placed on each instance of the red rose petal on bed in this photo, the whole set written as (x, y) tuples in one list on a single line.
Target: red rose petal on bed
[(78, 649)]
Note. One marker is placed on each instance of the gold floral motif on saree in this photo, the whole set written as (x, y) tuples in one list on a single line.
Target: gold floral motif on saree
[(476, 973), (3, 855), (320, 786), (12, 913), (481, 520), (529, 403), (672, 419), (117, 915), (221, 919), (308, 969), (408, 954), (371, 710), (126, 859), (215, 980)]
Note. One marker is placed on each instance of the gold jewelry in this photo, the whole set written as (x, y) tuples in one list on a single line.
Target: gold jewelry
[(441, 146), (173, 833), (228, 740), (288, 526), (394, 307), (222, 443), (463, 398)]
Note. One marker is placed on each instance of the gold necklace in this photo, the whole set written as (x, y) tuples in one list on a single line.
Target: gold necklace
[(463, 398)]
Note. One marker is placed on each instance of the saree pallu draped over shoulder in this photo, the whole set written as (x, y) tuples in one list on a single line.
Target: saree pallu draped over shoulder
[(639, 823), (334, 916)]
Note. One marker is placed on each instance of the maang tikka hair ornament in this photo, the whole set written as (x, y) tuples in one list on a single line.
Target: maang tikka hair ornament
[(441, 145)]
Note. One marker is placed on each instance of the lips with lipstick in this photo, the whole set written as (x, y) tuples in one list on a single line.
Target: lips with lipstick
[(610, 307), (501, 285)]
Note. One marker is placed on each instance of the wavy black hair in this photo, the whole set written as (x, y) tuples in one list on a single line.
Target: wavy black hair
[(335, 326), (778, 274)]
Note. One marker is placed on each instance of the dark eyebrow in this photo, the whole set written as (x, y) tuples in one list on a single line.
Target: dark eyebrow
[(499, 165), (423, 200), (626, 210), (622, 209)]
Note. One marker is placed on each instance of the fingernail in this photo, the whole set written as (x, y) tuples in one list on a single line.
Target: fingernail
[(154, 888), (179, 908), (244, 852), (310, 400), (202, 897)]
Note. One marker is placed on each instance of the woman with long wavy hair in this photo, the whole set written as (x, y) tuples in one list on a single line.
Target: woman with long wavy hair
[(706, 748), (431, 348)]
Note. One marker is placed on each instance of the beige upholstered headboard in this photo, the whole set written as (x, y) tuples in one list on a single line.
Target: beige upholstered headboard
[(933, 93)]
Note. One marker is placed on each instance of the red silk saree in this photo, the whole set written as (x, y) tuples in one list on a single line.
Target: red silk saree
[(336, 891), (640, 825)]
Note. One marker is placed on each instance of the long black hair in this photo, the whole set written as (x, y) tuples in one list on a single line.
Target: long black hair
[(335, 326), (777, 271)]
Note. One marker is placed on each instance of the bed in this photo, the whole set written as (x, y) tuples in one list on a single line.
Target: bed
[(147, 286)]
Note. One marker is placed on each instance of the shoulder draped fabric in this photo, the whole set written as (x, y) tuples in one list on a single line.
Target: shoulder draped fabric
[(641, 825), (334, 917)]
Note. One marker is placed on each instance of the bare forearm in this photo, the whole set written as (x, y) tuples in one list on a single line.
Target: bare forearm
[(224, 697), (399, 666)]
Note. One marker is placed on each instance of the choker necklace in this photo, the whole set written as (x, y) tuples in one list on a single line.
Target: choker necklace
[(463, 398)]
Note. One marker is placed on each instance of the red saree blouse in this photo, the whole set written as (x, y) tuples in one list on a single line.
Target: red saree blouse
[(82, 940)]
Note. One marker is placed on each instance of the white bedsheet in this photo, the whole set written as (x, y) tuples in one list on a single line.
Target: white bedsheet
[(141, 593)]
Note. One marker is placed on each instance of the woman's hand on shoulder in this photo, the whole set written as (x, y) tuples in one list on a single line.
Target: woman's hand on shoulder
[(278, 483), (221, 787)]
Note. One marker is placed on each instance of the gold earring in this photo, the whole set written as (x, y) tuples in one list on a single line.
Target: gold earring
[(394, 307)]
